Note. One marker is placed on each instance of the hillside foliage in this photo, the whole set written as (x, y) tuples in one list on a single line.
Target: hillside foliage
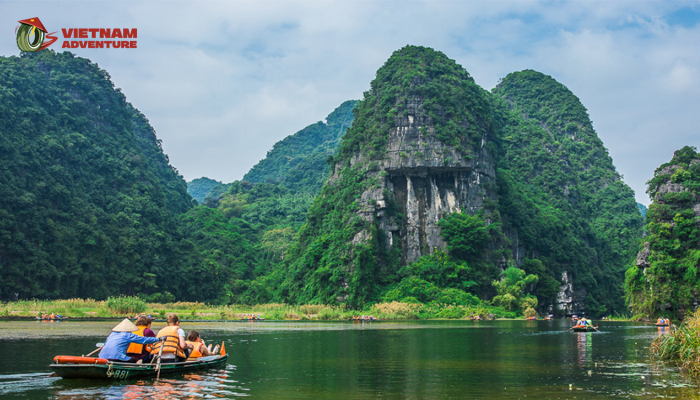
[(669, 283), (90, 207)]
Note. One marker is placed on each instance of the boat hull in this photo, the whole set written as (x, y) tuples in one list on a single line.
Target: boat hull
[(584, 329), (118, 370)]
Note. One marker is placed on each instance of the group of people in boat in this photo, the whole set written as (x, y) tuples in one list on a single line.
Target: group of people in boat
[(51, 316), (363, 318), (139, 344), (253, 317), (583, 323), (663, 321)]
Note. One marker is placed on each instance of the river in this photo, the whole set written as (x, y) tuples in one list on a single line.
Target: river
[(345, 360)]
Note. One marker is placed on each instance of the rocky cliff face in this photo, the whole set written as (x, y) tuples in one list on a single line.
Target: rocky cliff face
[(425, 179), (663, 279)]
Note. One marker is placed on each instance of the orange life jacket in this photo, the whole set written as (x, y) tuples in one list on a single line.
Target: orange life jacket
[(137, 348), (196, 353), (171, 343)]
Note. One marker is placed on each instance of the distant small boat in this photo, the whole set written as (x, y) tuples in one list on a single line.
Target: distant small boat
[(585, 328), (50, 319), (663, 325)]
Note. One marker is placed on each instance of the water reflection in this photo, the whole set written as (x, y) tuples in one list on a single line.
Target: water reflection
[(212, 384), (584, 346), (433, 359)]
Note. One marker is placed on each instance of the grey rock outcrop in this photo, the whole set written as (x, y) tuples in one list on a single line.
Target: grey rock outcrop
[(643, 257), (569, 300), (426, 179)]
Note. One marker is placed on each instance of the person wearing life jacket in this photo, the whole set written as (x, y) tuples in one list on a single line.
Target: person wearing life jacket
[(119, 340), (199, 349), (137, 350), (175, 347)]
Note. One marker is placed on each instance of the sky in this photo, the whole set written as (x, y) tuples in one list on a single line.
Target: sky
[(222, 81)]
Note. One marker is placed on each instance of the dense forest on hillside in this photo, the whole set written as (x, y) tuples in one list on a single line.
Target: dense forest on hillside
[(664, 279), (559, 190), (92, 208), (89, 202), (558, 194), (366, 271)]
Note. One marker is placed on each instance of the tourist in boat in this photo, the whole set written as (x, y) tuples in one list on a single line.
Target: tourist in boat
[(119, 340), (199, 348), (175, 346), (137, 350)]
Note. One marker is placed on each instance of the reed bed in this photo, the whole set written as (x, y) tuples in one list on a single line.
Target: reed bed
[(128, 306), (681, 345)]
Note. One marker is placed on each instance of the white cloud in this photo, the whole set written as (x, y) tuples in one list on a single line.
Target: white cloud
[(223, 81)]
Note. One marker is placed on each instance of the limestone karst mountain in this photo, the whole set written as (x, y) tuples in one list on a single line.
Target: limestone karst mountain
[(664, 279), (428, 143)]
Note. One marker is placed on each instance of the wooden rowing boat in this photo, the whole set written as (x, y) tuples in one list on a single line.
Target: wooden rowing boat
[(583, 328), (120, 370), (662, 325)]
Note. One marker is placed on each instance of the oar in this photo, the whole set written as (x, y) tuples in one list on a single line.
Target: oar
[(160, 353), (596, 329), (99, 347)]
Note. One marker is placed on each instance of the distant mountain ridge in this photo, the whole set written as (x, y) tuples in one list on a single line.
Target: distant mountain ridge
[(299, 160), (200, 188)]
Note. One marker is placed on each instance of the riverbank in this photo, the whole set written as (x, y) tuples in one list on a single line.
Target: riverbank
[(681, 345), (120, 307)]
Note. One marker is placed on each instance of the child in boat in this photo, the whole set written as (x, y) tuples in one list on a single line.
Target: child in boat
[(119, 340), (199, 349)]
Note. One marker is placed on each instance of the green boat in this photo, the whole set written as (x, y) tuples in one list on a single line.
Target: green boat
[(119, 370)]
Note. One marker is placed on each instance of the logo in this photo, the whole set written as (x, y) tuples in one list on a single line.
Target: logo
[(31, 34)]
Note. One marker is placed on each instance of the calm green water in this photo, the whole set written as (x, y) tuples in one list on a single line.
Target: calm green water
[(414, 360)]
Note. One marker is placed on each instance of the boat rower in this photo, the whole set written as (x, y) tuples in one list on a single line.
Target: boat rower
[(119, 340)]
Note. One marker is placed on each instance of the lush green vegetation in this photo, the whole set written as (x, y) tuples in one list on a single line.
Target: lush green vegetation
[(88, 201), (128, 306), (559, 190), (681, 345), (669, 283), (458, 107), (327, 265), (299, 160), (91, 208)]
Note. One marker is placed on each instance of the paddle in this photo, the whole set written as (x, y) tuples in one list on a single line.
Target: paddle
[(160, 353), (99, 347)]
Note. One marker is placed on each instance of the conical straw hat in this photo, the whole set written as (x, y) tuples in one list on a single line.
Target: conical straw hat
[(125, 326)]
